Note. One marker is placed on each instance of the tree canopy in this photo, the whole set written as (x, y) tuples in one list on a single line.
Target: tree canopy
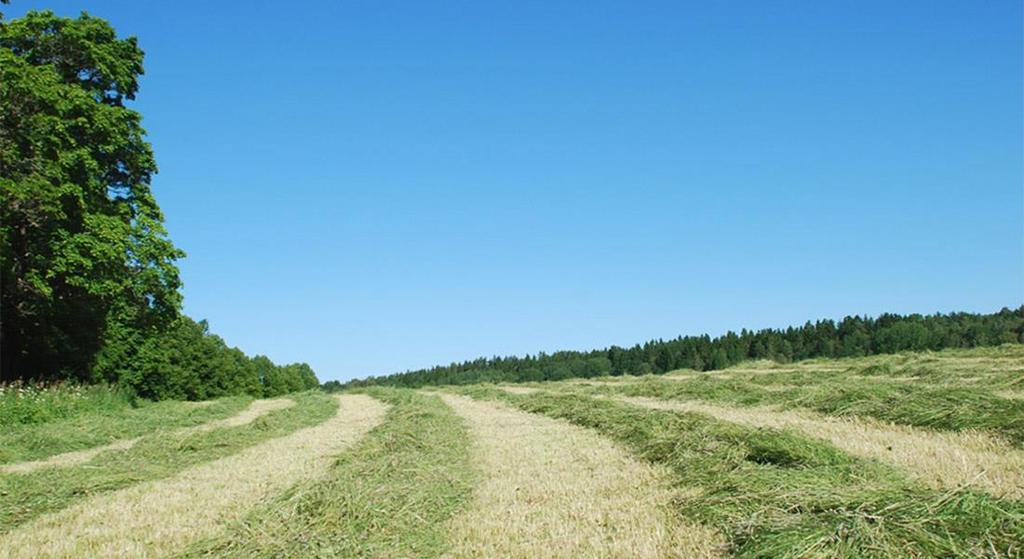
[(88, 276), (81, 232)]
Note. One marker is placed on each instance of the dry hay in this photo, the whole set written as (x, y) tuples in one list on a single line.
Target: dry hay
[(66, 459), (255, 410), (602, 381), (73, 458), (939, 459), (158, 517), (552, 489), (519, 389)]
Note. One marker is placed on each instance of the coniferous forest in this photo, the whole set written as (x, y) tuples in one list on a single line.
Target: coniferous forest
[(91, 290), (852, 336)]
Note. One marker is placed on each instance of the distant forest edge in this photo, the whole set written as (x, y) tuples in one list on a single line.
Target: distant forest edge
[(852, 336), (89, 284)]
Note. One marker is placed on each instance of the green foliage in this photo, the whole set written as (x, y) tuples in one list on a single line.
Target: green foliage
[(390, 496), (331, 386), (90, 290), (851, 337), (778, 494), (188, 362), (81, 234), (281, 380)]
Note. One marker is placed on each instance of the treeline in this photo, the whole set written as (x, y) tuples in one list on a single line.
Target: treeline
[(852, 336), (89, 286), (187, 362)]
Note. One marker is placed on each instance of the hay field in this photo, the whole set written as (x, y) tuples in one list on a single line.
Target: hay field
[(910, 455)]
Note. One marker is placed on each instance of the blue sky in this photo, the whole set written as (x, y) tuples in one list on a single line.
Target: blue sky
[(376, 186)]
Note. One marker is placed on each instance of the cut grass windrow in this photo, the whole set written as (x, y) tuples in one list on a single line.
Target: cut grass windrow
[(551, 490), (941, 460), (777, 494), (255, 410), (158, 517), (992, 367), (519, 389), (389, 496), (943, 408), (103, 426), (953, 390), (156, 456)]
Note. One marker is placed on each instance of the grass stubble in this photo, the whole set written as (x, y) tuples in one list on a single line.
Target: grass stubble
[(159, 455), (776, 493), (551, 489), (817, 459), (941, 460), (105, 423), (158, 517), (947, 395), (255, 410), (389, 496)]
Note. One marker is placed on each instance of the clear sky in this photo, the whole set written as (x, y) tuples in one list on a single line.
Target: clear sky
[(372, 186)]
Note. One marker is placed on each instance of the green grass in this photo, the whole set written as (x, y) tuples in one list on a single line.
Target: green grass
[(26, 404), (943, 408), (777, 494), (771, 493), (99, 424), (389, 496), (26, 496), (949, 390)]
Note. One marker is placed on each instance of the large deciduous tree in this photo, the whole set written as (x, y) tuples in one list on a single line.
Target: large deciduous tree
[(81, 236)]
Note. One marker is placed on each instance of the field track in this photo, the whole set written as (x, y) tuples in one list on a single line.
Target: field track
[(255, 410), (156, 518), (552, 489)]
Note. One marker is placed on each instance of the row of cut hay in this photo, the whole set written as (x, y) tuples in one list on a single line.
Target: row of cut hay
[(157, 456), (156, 518), (942, 408), (255, 410), (941, 460), (777, 493), (96, 427), (389, 496), (551, 489)]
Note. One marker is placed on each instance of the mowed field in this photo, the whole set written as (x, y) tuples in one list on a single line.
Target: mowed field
[(908, 455)]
